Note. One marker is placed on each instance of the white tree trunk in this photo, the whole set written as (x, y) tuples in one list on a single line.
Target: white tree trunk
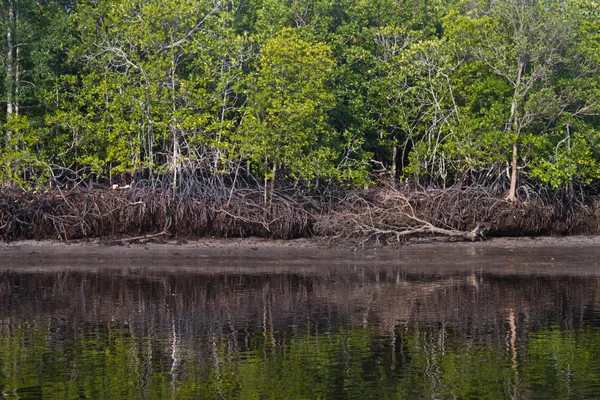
[(513, 176), (10, 72)]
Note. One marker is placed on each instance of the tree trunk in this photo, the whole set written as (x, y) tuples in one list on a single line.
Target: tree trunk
[(266, 194), (513, 126), (272, 186), (513, 176), (10, 78), (219, 134), (176, 152), (394, 161), (174, 128), (17, 87)]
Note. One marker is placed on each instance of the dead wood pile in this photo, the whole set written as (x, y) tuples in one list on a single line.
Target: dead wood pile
[(387, 215)]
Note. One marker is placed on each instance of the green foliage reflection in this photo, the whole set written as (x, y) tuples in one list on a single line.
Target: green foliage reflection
[(51, 361)]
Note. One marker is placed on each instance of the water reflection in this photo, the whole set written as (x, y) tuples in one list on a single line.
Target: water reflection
[(332, 331)]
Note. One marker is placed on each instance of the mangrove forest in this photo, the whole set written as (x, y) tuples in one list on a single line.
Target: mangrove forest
[(375, 120)]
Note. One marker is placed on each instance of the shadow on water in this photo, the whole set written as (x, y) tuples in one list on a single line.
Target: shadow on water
[(468, 323)]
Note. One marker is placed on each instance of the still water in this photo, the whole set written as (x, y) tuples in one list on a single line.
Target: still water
[(424, 322)]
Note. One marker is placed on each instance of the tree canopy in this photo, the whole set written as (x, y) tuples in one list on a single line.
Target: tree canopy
[(306, 92)]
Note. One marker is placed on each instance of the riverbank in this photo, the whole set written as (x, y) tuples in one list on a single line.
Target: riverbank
[(257, 246), (572, 256)]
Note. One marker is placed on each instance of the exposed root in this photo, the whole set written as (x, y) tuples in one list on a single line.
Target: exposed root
[(85, 213), (387, 215), (382, 215)]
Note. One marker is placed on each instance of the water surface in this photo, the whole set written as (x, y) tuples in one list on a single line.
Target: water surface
[(424, 322)]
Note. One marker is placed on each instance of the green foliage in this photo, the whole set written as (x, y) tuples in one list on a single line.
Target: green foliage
[(286, 127), (154, 92), (499, 77), (21, 165), (310, 90)]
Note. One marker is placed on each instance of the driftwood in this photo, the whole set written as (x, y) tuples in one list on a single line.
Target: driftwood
[(389, 216), (134, 239)]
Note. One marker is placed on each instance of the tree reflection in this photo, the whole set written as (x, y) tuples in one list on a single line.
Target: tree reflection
[(360, 333)]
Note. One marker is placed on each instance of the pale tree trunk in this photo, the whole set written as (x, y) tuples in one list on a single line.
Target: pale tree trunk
[(176, 152), (394, 160), (513, 176), (513, 126), (17, 87), (10, 73), (174, 128), (272, 186), (266, 194), (219, 134)]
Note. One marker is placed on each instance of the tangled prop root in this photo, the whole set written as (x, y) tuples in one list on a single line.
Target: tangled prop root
[(388, 215), (382, 215), (85, 213)]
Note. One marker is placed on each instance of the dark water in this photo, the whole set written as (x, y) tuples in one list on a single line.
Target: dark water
[(449, 323)]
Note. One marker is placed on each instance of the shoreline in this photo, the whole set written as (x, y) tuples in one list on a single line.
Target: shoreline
[(567, 256), (321, 244)]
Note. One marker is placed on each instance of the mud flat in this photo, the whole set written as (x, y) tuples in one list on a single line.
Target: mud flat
[(579, 255)]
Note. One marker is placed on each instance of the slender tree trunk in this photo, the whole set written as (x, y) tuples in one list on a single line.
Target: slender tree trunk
[(512, 193), (266, 192), (175, 160), (513, 175), (16, 67), (512, 126), (272, 186), (394, 160), (219, 134), (10, 78), (174, 129), (17, 78), (266, 196)]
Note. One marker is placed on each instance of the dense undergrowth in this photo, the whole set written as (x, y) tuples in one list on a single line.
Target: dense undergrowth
[(380, 216), (299, 93)]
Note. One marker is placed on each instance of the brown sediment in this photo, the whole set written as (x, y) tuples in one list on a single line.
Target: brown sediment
[(378, 216), (575, 255)]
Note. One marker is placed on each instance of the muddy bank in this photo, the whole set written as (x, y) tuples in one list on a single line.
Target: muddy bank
[(321, 245), (576, 255)]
